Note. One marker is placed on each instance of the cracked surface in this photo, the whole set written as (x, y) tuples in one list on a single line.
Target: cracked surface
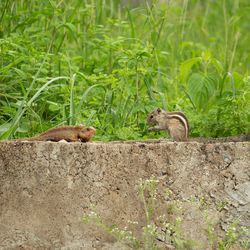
[(46, 187)]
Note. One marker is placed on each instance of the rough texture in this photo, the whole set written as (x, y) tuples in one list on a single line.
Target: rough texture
[(46, 187)]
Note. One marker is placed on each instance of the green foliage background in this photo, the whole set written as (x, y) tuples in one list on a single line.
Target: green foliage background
[(108, 63)]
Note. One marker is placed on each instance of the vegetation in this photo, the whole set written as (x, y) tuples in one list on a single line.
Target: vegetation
[(165, 232), (107, 64)]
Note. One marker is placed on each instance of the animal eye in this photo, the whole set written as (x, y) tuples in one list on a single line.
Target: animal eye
[(151, 116)]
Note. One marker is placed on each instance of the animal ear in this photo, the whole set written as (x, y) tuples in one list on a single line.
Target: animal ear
[(158, 110)]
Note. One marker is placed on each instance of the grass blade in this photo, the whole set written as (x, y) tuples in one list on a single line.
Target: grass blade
[(83, 98), (232, 83), (71, 109), (131, 23), (90, 117)]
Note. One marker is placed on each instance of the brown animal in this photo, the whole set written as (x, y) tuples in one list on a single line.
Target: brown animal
[(67, 133), (176, 123)]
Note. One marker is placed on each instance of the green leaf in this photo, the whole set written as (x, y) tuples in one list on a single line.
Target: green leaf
[(217, 65), (53, 4), (232, 83), (71, 110), (137, 244), (83, 99), (20, 73), (206, 55), (201, 88), (71, 27), (238, 80), (17, 61), (131, 23), (151, 94), (140, 107), (53, 106), (5, 127), (90, 117), (150, 105), (186, 66), (111, 227)]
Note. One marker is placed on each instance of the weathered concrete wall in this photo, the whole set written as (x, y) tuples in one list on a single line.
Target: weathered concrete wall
[(46, 187)]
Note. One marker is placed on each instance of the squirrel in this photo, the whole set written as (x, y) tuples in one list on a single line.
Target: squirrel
[(67, 133), (177, 126), (176, 123)]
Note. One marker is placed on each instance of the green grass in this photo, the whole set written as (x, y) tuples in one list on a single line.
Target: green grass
[(107, 64)]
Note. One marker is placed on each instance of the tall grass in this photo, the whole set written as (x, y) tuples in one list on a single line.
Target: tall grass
[(108, 64)]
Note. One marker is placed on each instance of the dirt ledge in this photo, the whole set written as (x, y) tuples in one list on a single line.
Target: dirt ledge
[(46, 187)]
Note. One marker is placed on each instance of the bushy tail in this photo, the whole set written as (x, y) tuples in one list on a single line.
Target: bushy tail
[(35, 138)]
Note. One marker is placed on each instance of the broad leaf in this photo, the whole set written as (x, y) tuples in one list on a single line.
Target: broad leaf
[(186, 66), (201, 88)]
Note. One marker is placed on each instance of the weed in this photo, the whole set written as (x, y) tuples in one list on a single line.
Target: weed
[(110, 64), (173, 235), (169, 231)]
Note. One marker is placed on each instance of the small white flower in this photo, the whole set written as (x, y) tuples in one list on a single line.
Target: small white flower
[(179, 219)]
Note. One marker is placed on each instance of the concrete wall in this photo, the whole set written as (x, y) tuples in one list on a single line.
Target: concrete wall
[(46, 187)]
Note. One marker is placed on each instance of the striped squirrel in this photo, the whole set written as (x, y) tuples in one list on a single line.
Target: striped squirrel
[(176, 123)]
